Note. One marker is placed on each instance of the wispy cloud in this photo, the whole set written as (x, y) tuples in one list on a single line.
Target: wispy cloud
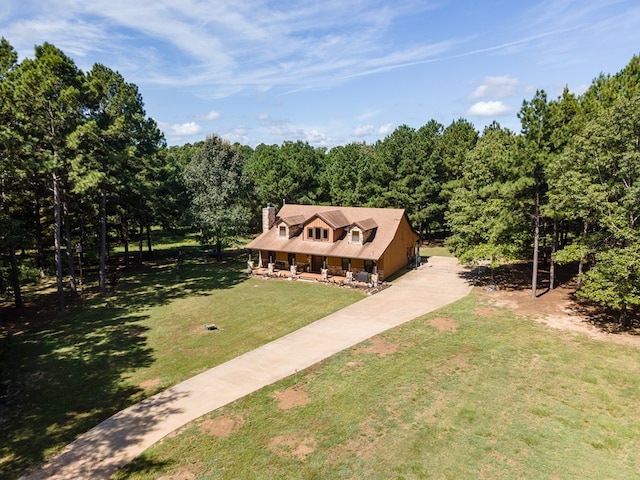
[(230, 46)]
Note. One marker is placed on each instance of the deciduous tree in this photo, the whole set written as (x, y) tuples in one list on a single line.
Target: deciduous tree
[(218, 191)]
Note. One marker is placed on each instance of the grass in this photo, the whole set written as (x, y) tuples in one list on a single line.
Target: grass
[(438, 250), (67, 372), (499, 397)]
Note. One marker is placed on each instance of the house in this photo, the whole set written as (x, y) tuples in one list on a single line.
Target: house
[(336, 239)]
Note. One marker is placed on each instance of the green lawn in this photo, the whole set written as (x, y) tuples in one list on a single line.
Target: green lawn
[(457, 394), (67, 372), (435, 250)]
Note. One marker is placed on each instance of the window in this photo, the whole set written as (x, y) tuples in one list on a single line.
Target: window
[(355, 236), (318, 233), (310, 233), (325, 234), (282, 232), (346, 264)]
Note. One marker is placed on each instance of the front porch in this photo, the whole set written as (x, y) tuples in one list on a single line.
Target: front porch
[(312, 266), (371, 285)]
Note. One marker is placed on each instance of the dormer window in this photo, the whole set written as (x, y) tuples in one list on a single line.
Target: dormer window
[(282, 231), (356, 237)]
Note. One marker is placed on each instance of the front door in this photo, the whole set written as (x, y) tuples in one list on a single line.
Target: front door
[(316, 264)]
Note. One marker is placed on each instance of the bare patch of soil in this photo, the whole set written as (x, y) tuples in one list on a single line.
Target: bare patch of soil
[(221, 427), (154, 382), (355, 364), (443, 324), (559, 309), (181, 473), (485, 312), (378, 346), (292, 397), (297, 446)]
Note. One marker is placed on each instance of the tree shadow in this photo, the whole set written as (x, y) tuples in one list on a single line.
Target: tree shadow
[(604, 319), (64, 371), (517, 276), (95, 454), (63, 376), (166, 279)]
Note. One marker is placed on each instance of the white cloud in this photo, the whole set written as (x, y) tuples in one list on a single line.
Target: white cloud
[(363, 130), (385, 129), (316, 138), (187, 129), (503, 86), (263, 117), (488, 109), (238, 134)]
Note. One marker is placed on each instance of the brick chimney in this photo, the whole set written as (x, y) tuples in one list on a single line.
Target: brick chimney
[(268, 218)]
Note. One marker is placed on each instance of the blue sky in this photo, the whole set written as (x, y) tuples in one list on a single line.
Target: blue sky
[(334, 71)]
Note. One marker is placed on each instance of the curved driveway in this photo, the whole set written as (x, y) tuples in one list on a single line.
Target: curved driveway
[(115, 442)]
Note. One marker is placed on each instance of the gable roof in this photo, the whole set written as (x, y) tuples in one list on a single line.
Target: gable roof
[(293, 220), (387, 221), (367, 224), (333, 218)]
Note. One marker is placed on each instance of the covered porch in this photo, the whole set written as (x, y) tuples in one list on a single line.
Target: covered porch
[(325, 268)]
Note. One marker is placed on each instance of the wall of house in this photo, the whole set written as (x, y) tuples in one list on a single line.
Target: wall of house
[(403, 244), (319, 223), (357, 264)]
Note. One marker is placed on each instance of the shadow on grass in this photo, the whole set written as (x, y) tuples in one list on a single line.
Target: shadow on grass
[(517, 276), (143, 466), (63, 371), (92, 454), (63, 377), (161, 282), (605, 319)]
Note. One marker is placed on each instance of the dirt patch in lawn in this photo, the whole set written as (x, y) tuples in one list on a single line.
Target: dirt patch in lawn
[(378, 346), (182, 473), (292, 397), (152, 383), (443, 324), (485, 312), (221, 427), (559, 309), (298, 446)]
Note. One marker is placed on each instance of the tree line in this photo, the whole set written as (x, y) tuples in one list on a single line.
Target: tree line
[(82, 163), (78, 155)]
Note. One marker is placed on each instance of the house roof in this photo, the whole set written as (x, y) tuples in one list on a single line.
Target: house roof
[(366, 224), (387, 221), (293, 220), (333, 218)]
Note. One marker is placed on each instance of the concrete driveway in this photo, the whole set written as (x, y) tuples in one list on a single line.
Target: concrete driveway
[(118, 440)]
